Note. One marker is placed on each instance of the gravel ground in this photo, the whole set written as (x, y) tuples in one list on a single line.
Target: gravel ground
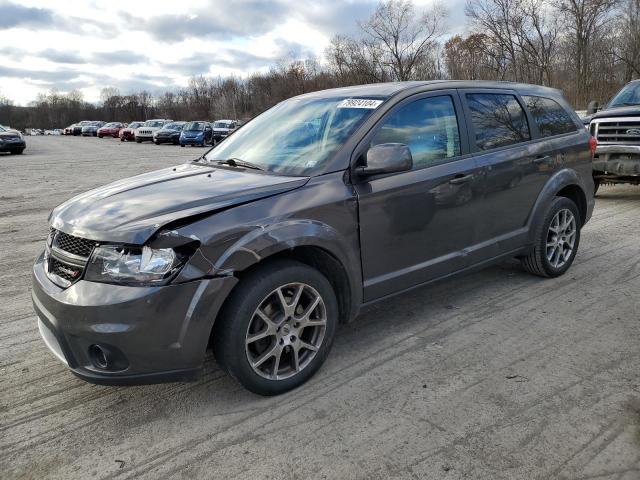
[(493, 375)]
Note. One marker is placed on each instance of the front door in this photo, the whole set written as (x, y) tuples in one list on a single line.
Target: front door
[(416, 225)]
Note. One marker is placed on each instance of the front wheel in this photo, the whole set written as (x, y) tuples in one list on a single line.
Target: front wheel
[(277, 327), (556, 241), (138, 140)]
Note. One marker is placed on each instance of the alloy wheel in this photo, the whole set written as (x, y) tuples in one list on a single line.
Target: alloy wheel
[(561, 238), (286, 331)]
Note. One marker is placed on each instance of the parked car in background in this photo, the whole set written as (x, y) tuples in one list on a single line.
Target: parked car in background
[(69, 130), (223, 128), (11, 141), (146, 131), (322, 204), (170, 133), (616, 127), (128, 134), (91, 130), (77, 128), (196, 133), (111, 129)]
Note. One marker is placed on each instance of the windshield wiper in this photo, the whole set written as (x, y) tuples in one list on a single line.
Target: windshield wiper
[(237, 162)]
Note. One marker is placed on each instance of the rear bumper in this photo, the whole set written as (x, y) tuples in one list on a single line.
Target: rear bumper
[(150, 334), (617, 160)]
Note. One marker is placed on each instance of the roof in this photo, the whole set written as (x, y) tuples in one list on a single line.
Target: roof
[(386, 90)]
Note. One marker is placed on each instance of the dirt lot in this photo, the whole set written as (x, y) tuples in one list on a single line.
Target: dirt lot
[(494, 375)]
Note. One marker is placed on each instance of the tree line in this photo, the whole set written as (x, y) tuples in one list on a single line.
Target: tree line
[(587, 48)]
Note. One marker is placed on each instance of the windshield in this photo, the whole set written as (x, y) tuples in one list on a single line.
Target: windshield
[(135, 124), (222, 124), (194, 126), (629, 95), (2, 129), (296, 136), (173, 126), (109, 125), (152, 123)]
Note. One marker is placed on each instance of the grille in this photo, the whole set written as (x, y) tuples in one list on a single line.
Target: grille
[(68, 272), (65, 270), (70, 244), (625, 132)]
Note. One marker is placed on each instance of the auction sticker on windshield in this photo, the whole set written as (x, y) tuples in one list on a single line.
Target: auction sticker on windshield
[(359, 103)]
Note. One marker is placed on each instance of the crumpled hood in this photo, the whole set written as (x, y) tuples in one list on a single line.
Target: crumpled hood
[(133, 209), (630, 111)]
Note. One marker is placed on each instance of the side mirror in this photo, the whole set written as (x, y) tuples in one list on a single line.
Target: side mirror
[(592, 107), (387, 158)]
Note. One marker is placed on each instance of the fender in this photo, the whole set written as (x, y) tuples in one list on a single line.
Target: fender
[(263, 242), (561, 179)]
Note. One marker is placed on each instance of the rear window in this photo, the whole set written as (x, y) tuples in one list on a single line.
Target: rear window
[(550, 117), (498, 120)]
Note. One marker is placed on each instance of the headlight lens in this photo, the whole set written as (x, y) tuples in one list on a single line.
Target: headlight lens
[(132, 265)]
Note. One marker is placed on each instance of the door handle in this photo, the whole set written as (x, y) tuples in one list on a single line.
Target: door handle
[(542, 159), (458, 179)]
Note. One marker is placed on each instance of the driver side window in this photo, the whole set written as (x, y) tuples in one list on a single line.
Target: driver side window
[(428, 126)]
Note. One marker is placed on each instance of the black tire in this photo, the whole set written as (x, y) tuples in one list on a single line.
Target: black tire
[(17, 152), (232, 326), (122, 139), (596, 186), (536, 262), (138, 140)]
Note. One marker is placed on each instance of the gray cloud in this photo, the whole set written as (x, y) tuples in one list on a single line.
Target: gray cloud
[(118, 57), (14, 15), (219, 21), (61, 56)]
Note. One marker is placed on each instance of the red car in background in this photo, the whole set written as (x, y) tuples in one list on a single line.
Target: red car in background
[(129, 133), (111, 129)]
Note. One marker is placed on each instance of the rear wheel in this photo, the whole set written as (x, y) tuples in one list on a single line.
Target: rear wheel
[(277, 327), (556, 241)]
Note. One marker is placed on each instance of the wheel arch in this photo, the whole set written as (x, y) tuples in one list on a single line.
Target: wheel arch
[(310, 242), (565, 183)]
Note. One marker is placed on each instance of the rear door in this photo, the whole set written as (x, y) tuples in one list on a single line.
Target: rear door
[(416, 225), (514, 166)]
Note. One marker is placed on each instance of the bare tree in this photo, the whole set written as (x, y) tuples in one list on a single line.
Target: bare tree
[(586, 22), (518, 35), (402, 39), (626, 47)]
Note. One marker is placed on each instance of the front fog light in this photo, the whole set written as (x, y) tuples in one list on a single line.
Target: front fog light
[(121, 264)]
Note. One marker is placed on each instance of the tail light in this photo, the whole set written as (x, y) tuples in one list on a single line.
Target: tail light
[(593, 143)]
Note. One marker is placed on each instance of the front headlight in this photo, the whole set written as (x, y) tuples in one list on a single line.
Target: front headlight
[(133, 265)]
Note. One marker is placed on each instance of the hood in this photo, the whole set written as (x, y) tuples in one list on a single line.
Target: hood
[(133, 209), (629, 111)]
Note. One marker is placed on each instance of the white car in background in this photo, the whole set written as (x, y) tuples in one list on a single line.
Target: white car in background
[(223, 128), (146, 131)]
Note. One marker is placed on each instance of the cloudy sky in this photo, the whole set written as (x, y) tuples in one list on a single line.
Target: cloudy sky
[(157, 44)]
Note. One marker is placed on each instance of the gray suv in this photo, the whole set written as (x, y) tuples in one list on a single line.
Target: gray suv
[(327, 202)]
